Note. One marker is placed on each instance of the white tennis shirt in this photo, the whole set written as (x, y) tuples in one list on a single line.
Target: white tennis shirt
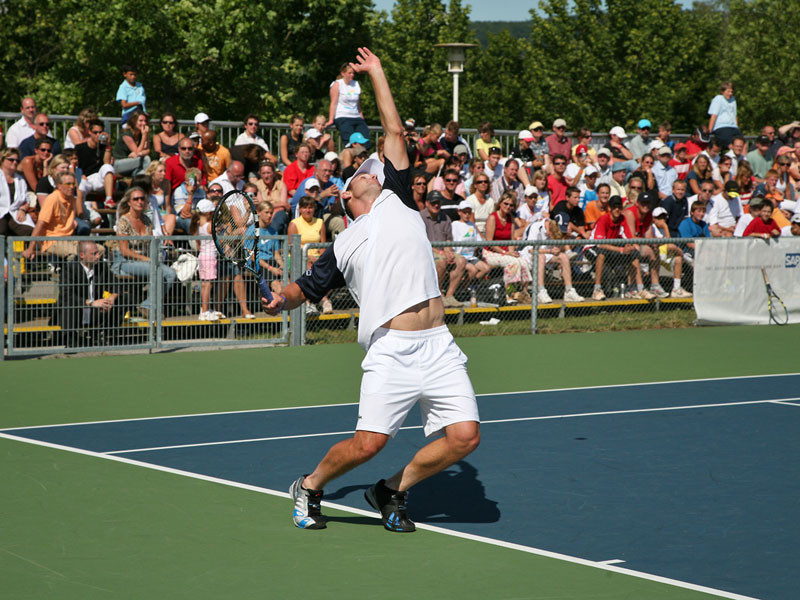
[(384, 258)]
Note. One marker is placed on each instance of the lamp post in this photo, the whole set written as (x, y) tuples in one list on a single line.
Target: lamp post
[(455, 64)]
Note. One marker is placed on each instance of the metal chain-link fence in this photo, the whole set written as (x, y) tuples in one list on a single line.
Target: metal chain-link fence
[(174, 298), (497, 283), (76, 294)]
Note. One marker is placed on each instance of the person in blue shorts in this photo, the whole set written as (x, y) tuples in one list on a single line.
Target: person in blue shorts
[(385, 259)]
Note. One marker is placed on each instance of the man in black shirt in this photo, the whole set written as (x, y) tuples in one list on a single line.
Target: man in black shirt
[(677, 207), (569, 216), (96, 162)]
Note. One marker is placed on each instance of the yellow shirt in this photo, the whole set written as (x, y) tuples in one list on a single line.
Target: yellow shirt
[(309, 233), (481, 145)]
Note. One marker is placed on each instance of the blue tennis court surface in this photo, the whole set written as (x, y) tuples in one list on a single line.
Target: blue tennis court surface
[(693, 481)]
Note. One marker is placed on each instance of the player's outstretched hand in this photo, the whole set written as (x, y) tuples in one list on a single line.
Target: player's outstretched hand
[(366, 61), (274, 306)]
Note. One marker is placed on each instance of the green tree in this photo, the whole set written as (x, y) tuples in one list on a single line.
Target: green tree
[(610, 63), (418, 71), (759, 58)]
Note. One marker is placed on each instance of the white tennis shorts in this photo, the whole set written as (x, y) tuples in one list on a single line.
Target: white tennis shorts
[(405, 367)]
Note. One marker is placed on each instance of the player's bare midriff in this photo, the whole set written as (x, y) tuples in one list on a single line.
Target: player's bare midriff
[(425, 315)]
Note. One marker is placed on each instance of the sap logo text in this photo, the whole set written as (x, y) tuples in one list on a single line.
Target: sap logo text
[(792, 261)]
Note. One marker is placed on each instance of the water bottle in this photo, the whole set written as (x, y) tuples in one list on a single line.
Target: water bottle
[(473, 300)]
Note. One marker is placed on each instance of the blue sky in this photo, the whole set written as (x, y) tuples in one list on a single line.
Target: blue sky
[(507, 10)]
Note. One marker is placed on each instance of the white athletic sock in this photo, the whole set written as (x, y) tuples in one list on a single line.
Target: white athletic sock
[(676, 283)]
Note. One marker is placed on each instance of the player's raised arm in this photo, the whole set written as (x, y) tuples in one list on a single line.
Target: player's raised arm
[(394, 147)]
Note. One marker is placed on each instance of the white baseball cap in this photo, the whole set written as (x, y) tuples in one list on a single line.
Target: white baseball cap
[(655, 145), (465, 205), (205, 206), (331, 155), (371, 166), (312, 133), (530, 190), (201, 118), (659, 211), (619, 132), (525, 134), (590, 170), (311, 182)]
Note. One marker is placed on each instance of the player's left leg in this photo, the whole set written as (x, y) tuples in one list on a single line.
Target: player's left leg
[(389, 496)]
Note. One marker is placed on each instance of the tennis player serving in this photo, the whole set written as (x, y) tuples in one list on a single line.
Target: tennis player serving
[(385, 259)]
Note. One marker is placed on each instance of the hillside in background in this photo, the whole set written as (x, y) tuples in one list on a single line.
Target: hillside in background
[(518, 29)]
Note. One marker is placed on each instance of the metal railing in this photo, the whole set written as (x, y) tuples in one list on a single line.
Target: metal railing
[(228, 131)]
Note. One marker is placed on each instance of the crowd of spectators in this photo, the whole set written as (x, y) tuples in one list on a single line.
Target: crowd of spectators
[(547, 187)]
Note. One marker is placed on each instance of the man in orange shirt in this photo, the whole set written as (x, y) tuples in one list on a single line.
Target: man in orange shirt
[(56, 219), (216, 157), (598, 207)]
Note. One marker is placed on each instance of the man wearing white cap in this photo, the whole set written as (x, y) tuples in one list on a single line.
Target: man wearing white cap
[(616, 145), (558, 142), (664, 173), (385, 259), (202, 123)]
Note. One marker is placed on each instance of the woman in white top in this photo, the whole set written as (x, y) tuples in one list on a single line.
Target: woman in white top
[(481, 201), (14, 206), (345, 110), (79, 132)]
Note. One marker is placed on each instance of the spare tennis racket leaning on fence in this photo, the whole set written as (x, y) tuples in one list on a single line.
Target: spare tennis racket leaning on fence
[(234, 227), (778, 313)]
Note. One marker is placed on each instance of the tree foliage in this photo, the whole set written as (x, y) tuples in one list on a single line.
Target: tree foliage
[(596, 63)]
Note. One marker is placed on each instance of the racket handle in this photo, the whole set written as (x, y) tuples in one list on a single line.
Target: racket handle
[(264, 287)]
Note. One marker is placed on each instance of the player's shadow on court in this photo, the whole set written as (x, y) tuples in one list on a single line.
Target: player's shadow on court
[(455, 495)]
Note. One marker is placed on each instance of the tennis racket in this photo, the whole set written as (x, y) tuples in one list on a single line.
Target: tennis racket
[(777, 309), (234, 227)]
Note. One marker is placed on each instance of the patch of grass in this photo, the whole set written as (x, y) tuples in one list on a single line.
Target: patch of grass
[(518, 323)]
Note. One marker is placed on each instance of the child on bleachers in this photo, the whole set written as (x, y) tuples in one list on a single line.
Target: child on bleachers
[(207, 259)]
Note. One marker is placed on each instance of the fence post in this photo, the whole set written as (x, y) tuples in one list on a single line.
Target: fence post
[(534, 286), (298, 315), (154, 292), (3, 301)]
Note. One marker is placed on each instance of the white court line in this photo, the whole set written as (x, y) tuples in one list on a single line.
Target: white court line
[(255, 410), (613, 561), (357, 511), (511, 420), (785, 402)]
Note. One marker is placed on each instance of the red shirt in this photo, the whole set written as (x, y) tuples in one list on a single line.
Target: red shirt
[(693, 149), (293, 175), (501, 231), (557, 146), (641, 225), (558, 189), (176, 172), (682, 168), (759, 226), (606, 229)]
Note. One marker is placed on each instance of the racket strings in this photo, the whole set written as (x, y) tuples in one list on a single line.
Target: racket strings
[(235, 227)]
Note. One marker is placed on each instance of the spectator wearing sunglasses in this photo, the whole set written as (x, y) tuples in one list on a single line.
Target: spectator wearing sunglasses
[(13, 192), (41, 131), (558, 142), (481, 200), (34, 167), (639, 144), (450, 198), (166, 141)]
